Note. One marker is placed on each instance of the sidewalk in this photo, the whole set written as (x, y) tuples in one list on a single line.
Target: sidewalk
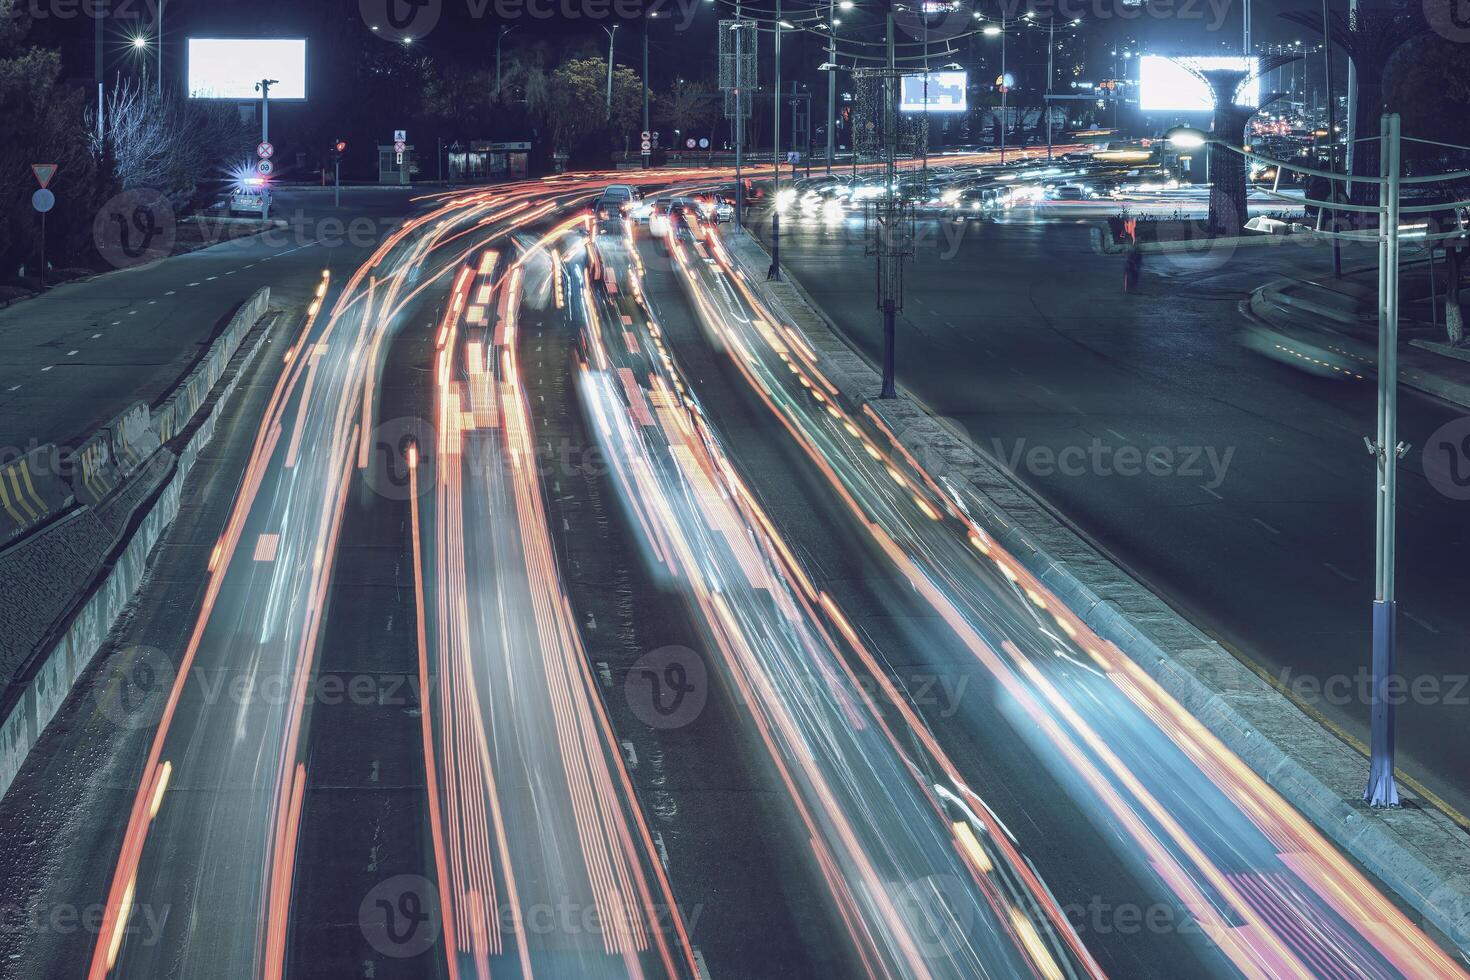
[(1330, 326)]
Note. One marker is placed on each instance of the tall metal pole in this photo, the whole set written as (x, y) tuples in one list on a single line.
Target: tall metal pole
[(1382, 790), (776, 112), (739, 120), (1004, 88), (97, 65), (1331, 133), (1051, 47), (888, 227), (831, 78), (1352, 109), (652, 14), (612, 35), (160, 49)]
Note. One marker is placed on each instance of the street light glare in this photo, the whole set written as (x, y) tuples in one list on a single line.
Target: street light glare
[(845, 5), (140, 42), (991, 30)]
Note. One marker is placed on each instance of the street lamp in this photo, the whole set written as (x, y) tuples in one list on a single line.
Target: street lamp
[(612, 36), (991, 30), (498, 38)]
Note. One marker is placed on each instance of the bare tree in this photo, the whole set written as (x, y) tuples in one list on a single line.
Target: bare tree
[(168, 143)]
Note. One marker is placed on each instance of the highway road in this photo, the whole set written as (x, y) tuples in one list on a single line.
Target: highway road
[(1236, 487), (488, 646)]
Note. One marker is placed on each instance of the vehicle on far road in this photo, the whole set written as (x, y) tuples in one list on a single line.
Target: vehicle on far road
[(723, 210), (1068, 192), (253, 195)]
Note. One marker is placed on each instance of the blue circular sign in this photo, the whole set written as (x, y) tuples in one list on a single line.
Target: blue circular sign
[(43, 200)]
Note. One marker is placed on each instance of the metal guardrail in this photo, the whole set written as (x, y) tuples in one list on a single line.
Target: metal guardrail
[(170, 418)]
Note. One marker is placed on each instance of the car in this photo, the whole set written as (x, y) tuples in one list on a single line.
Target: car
[(253, 195), (622, 193), (1068, 192), (723, 210)]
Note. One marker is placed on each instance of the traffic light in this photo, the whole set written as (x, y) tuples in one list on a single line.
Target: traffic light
[(341, 146)]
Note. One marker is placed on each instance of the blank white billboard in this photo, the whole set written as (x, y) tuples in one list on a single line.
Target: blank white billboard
[(936, 91), (1165, 85), (228, 68)]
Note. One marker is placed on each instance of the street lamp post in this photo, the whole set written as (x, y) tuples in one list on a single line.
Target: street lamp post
[(831, 78), (612, 35), (651, 14), (498, 38)]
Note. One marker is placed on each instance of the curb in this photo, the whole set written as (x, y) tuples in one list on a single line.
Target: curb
[(1417, 851)]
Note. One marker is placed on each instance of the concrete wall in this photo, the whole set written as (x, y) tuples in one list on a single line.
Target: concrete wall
[(45, 680)]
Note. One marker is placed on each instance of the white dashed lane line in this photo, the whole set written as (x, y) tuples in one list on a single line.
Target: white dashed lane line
[(1420, 622), (171, 292), (96, 335), (13, 388), (72, 353), (1115, 432), (1211, 492), (193, 284), (47, 368), (1266, 526), (1339, 572)]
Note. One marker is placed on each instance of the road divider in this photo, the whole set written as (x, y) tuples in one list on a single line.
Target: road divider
[(71, 576)]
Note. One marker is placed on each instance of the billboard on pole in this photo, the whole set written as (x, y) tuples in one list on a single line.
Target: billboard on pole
[(228, 68), (935, 91), (1167, 85)]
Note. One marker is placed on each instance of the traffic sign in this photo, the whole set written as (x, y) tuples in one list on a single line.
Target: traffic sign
[(400, 136), (647, 147), (399, 146), (43, 200), (264, 168), (690, 143), (265, 151), (400, 158), (704, 143), (646, 136), (44, 172)]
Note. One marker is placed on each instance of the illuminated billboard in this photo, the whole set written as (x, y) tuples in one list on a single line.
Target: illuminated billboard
[(1165, 85), (228, 68), (936, 91)]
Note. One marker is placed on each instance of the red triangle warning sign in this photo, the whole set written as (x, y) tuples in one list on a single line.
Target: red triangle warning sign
[(44, 172)]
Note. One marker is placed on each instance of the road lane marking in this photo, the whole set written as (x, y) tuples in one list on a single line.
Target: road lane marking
[(1211, 492), (1420, 622), (72, 353), (1115, 432), (211, 278), (47, 368), (96, 335), (1265, 525), (171, 292), (193, 284), (13, 388), (1338, 572)]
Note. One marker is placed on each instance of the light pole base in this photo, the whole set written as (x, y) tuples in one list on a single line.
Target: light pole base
[(1382, 791)]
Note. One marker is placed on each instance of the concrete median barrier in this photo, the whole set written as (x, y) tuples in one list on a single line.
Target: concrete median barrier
[(32, 491)]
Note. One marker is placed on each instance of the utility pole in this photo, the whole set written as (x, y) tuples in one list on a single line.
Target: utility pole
[(264, 88), (831, 78), (1005, 89), (160, 49), (498, 38), (1051, 47), (1331, 136), (889, 239), (612, 35), (97, 64), (651, 14), (1382, 791), (776, 107)]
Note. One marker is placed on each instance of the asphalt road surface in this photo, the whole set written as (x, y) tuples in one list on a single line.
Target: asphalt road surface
[(1236, 487), (486, 645)]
